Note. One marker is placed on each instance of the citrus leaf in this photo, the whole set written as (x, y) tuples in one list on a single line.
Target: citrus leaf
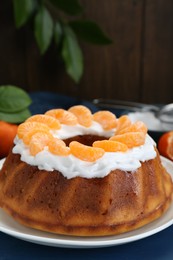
[(89, 31), (43, 29), (13, 99), (22, 11), (15, 118), (72, 54), (71, 7), (57, 33)]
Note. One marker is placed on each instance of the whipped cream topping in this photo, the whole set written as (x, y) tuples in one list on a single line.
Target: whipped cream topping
[(71, 167), (67, 131)]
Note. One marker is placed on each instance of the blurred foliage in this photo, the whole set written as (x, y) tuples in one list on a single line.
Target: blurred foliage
[(60, 21), (14, 104)]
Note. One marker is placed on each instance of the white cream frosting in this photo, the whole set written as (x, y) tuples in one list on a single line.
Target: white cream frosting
[(67, 131), (71, 167)]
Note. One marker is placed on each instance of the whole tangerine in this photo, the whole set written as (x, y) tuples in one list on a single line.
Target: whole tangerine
[(165, 145), (7, 133)]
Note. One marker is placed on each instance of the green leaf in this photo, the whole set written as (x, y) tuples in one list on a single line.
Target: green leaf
[(13, 99), (43, 29), (71, 7), (15, 118), (72, 54), (57, 33), (90, 31), (22, 11)]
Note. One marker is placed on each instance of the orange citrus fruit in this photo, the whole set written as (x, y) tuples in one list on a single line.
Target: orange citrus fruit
[(138, 126), (165, 145), (39, 141), (83, 115), (45, 119), (58, 147), (110, 146), (106, 119), (131, 139), (27, 137), (7, 134), (24, 128), (86, 153), (64, 117), (123, 122)]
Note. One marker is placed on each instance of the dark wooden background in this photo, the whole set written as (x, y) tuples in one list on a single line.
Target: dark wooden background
[(138, 66)]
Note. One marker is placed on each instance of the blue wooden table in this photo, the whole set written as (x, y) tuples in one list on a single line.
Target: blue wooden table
[(158, 246)]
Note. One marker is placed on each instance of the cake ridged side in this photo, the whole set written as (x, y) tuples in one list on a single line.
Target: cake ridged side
[(117, 203)]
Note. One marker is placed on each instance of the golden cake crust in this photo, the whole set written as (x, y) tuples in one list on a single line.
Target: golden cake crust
[(120, 202)]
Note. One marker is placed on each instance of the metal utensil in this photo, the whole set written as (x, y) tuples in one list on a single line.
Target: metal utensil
[(133, 106)]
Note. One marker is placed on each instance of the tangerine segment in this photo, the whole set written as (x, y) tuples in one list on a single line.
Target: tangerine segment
[(86, 153), (123, 122), (83, 115), (24, 128), (111, 146), (131, 139), (45, 119), (64, 117), (38, 142), (138, 126), (165, 145), (106, 119), (58, 147), (27, 137)]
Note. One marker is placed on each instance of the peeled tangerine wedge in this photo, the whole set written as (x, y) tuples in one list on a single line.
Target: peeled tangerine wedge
[(86, 153), (64, 117), (27, 137), (131, 139), (138, 126), (111, 146), (106, 119), (38, 142), (122, 123), (58, 147), (26, 127), (45, 119), (83, 115)]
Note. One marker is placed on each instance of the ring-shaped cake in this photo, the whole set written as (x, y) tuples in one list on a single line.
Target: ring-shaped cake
[(77, 173)]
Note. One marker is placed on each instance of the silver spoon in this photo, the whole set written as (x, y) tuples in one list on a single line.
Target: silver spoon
[(165, 115)]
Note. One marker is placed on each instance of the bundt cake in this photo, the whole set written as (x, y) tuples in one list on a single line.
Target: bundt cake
[(77, 173)]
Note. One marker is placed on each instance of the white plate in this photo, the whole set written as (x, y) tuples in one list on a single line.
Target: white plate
[(11, 227)]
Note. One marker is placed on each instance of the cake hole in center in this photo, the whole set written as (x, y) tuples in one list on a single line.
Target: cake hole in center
[(85, 139)]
